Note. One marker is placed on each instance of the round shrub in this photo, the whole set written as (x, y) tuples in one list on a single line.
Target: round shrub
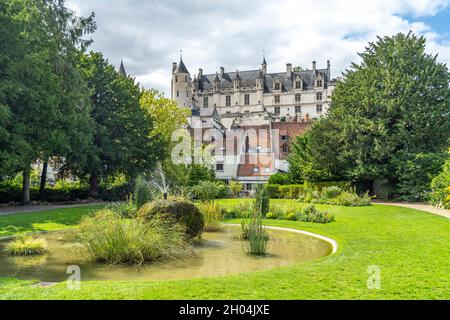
[(291, 216), (175, 209), (270, 216)]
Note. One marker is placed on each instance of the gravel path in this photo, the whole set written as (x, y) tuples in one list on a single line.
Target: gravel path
[(15, 210), (418, 206)]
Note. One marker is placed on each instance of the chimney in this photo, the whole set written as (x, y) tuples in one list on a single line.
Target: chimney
[(314, 66), (200, 73), (289, 70), (222, 71), (174, 67), (329, 69)]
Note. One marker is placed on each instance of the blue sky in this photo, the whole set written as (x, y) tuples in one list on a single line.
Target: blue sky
[(149, 34)]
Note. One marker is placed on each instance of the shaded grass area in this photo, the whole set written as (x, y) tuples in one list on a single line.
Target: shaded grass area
[(410, 247), (51, 220)]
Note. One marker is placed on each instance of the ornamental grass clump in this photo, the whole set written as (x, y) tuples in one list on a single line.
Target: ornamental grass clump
[(27, 246), (212, 215), (108, 237)]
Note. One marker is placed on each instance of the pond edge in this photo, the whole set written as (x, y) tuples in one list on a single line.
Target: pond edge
[(332, 242)]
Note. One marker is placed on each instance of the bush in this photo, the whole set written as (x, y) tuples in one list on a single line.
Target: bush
[(440, 188), (142, 192), (351, 199), (271, 216), (329, 193), (311, 214), (280, 179), (27, 246), (209, 190), (236, 188), (178, 210), (291, 216), (110, 238), (212, 215)]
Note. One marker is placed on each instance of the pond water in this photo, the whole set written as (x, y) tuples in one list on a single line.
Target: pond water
[(217, 254)]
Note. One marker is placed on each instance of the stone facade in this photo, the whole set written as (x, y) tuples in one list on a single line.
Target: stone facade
[(279, 106)]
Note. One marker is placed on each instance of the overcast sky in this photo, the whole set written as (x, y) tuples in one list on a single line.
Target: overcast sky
[(149, 34)]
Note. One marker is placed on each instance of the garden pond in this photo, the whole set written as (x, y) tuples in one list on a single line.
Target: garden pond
[(217, 254)]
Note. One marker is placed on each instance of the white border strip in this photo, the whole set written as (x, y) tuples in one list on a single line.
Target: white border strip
[(333, 243)]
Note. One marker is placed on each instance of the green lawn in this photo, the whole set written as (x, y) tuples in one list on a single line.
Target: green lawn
[(411, 248), (50, 220)]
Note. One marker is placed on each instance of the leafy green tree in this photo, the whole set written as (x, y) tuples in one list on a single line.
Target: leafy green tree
[(302, 163), (166, 114), (42, 95), (389, 109), (123, 131)]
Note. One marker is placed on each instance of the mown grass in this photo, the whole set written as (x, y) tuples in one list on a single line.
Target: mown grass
[(410, 247), (50, 220)]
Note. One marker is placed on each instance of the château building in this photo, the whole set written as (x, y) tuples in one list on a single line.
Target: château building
[(282, 104)]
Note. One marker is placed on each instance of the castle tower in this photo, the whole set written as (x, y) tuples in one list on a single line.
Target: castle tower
[(122, 71), (181, 85), (264, 66)]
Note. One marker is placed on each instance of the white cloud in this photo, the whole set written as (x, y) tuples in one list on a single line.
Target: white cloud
[(233, 33)]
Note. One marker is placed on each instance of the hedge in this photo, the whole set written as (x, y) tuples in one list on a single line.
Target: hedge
[(293, 191), (116, 193)]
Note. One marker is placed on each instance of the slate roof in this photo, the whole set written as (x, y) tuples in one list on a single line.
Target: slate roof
[(248, 79), (181, 68)]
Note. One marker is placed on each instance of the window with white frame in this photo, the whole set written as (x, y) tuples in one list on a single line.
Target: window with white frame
[(319, 96), (228, 101), (319, 108), (277, 110), (298, 109), (205, 102), (298, 97)]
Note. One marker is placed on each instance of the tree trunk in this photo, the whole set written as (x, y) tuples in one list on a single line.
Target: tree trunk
[(26, 186), (43, 180), (93, 183)]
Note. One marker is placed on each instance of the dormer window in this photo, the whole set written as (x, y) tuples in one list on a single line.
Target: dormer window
[(298, 84), (320, 83)]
